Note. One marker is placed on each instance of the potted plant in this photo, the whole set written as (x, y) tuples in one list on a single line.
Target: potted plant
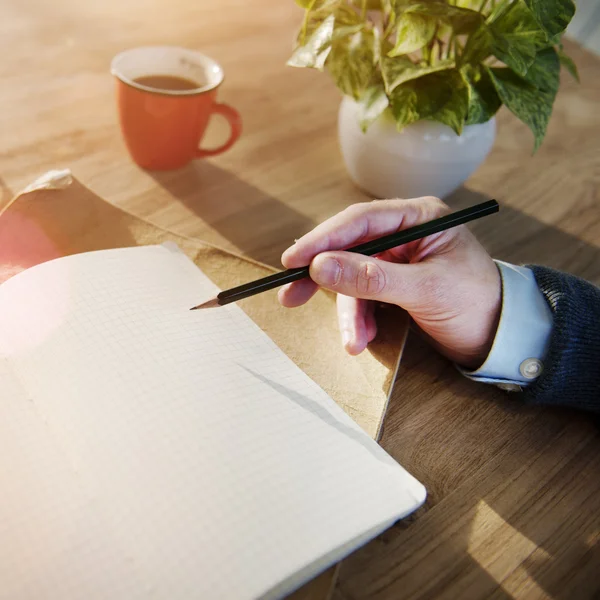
[(423, 79)]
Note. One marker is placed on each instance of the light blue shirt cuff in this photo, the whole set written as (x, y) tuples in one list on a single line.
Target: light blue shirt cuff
[(523, 336)]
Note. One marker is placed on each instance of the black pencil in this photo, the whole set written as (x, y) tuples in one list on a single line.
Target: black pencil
[(376, 246)]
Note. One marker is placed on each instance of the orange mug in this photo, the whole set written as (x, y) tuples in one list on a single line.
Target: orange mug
[(166, 97)]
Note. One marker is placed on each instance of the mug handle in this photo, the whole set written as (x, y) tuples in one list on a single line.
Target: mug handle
[(235, 121)]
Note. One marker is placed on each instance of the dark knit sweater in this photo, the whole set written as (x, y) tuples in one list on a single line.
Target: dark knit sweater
[(571, 375)]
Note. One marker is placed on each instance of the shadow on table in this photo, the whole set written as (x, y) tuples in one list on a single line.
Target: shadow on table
[(259, 225), (262, 226), (513, 491), (516, 237)]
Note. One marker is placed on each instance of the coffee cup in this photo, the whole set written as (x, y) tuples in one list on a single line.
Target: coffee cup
[(166, 97)]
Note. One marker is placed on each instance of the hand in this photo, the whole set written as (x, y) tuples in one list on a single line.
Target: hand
[(447, 282)]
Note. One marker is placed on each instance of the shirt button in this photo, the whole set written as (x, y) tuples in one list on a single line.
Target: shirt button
[(531, 368)]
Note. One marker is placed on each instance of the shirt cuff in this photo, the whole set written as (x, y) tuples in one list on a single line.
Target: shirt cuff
[(523, 335)]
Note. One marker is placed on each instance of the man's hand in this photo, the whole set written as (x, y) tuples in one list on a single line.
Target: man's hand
[(447, 282)]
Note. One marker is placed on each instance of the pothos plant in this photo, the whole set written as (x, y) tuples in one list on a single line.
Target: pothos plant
[(451, 61)]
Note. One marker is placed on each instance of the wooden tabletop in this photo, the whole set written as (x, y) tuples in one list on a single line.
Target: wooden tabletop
[(514, 492)]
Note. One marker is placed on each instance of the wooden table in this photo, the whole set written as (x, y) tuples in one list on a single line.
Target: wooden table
[(514, 492)]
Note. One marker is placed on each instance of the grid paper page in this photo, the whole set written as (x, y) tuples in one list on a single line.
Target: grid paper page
[(150, 451)]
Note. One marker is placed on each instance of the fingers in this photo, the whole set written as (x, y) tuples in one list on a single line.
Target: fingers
[(356, 317), (370, 322), (369, 278), (360, 223), (297, 293), (356, 323)]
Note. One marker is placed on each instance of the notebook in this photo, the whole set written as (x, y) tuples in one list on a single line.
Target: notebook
[(150, 451)]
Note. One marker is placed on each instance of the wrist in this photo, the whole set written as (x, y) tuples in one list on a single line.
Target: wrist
[(486, 326), (480, 353)]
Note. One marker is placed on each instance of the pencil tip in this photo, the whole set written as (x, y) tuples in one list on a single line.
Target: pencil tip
[(208, 304)]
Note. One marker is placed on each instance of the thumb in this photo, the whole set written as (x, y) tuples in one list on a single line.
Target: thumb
[(370, 278)]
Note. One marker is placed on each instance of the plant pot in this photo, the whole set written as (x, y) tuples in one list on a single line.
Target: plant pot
[(424, 159)]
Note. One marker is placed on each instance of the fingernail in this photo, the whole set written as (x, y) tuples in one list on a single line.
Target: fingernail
[(345, 321), (346, 337), (329, 271), (284, 256)]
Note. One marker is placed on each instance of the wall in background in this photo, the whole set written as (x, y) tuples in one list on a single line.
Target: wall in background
[(585, 26)]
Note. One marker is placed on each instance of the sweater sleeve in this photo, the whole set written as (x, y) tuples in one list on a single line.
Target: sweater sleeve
[(571, 374)]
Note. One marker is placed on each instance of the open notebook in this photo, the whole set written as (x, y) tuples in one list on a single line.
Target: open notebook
[(150, 451)]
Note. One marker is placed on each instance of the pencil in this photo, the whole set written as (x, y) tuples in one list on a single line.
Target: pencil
[(375, 246)]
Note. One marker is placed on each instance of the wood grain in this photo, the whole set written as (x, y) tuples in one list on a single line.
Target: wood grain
[(513, 491)]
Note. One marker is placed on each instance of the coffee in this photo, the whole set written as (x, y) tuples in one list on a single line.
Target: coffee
[(167, 83)]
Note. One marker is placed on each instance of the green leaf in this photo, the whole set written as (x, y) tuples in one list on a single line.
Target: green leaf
[(552, 15), (567, 63), (516, 37), (413, 31), (345, 16), (315, 51), (472, 4), (444, 98), (544, 72), (478, 46), (387, 8), (353, 60), (371, 105), (484, 101), (393, 70), (441, 97), (462, 20), (404, 106), (325, 22), (399, 70), (530, 98), (306, 4), (319, 11)]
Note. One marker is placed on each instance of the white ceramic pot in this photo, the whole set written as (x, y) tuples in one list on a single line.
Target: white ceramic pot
[(424, 159)]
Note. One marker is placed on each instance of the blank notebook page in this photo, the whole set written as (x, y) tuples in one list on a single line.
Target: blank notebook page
[(150, 451)]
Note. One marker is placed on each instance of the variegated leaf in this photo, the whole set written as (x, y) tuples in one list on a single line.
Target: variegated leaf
[(352, 62), (441, 97), (516, 37), (413, 31), (462, 20), (552, 15), (568, 64), (404, 106), (530, 98), (371, 105), (315, 51), (396, 71), (484, 101)]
